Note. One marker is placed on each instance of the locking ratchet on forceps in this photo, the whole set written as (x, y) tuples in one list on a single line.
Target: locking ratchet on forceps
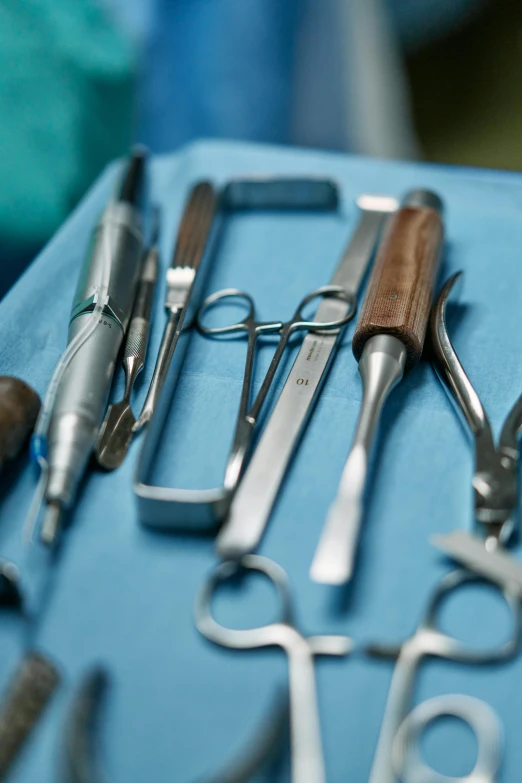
[(495, 479)]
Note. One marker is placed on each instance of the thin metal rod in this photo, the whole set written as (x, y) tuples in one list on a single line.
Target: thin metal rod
[(381, 367)]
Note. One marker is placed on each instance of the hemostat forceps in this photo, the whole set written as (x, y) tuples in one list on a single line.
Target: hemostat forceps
[(428, 640), (495, 476), (307, 754), (249, 414)]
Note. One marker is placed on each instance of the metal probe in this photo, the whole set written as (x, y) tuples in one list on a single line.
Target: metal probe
[(116, 431), (388, 341), (81, 396)]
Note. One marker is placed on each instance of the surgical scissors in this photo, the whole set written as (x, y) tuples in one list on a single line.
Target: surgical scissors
[(496, 468), (249, 414), (307, 754), (428, 640)]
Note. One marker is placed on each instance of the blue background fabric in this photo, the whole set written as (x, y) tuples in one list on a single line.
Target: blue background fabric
[(226, 69), (124, 595)]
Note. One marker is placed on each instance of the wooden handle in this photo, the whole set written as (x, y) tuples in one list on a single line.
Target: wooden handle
[(195, 225), (400, 290)]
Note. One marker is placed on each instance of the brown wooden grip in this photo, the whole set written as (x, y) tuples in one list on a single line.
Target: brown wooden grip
[(400, 290)]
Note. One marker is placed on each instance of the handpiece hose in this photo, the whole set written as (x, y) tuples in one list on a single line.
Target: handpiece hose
[(81, 397)]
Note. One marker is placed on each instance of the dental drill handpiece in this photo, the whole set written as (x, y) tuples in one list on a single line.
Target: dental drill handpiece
[(81, 397)]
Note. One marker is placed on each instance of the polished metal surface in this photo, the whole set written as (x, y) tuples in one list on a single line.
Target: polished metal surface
[(428, 640), (408, 763), (234, 539), (495, 478), (116, 431), (306, 746), (169, 507), (254, 499), (381, 367)]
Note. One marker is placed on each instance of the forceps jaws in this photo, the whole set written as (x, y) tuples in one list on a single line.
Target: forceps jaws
[(495, 476)]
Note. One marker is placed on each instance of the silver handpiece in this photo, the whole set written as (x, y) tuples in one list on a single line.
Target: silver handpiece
[(81, 398), (256, 494)]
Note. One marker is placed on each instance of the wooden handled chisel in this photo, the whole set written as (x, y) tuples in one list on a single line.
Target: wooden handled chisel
[(388, 342)]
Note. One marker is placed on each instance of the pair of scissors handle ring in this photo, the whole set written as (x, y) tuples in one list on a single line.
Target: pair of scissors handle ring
[(298, 321), (446, 646), (252, 637), (281, 632), (407, 757)]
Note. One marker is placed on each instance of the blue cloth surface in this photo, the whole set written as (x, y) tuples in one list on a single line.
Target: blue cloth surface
[(124, 596)]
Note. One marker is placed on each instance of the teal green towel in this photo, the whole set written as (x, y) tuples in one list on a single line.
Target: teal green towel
[(66, 87)]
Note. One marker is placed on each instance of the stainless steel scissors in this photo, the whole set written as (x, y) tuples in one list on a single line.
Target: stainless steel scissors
[(249, 413), (307, 754), (428, 640), (407, 760), (496, 467)]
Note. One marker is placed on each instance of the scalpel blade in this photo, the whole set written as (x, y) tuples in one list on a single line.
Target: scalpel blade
[(252, 504)]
